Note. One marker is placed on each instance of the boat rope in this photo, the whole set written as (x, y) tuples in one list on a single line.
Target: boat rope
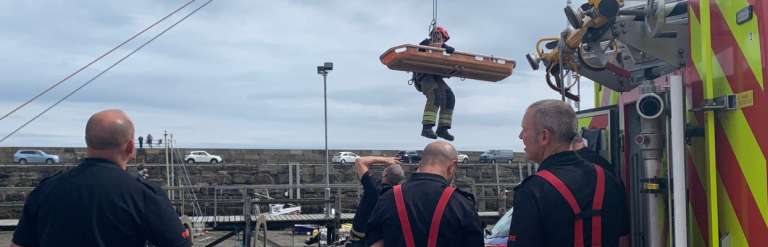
[(110, 67), (94, 61)]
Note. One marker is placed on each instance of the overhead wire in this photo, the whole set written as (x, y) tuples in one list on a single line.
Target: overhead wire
[(94, 61), (110, 67)]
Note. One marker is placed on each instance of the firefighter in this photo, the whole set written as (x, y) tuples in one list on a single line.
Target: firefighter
[(439, 94), (559, 205), (579, 145), (426, 210), (99, 203), (372, 188)]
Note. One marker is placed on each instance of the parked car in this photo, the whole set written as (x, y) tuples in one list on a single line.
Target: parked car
[(497, 155), (409, 156), (202, 156), (463, 158), (344, 157), (34, 156), (499, 234)]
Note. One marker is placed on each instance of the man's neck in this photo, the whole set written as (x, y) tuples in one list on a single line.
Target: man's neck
[(557, 149), (434, 170), (107, 156)]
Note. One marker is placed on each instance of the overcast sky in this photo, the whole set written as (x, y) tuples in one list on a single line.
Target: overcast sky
[(242, 74)]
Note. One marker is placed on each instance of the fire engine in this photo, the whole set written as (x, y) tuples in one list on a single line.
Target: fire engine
[(680, 102)]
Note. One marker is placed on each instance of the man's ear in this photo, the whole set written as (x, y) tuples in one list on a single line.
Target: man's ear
[(130, 149), (545, 137), (418, 167)]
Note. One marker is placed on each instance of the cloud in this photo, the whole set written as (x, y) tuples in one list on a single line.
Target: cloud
[(242, 73)]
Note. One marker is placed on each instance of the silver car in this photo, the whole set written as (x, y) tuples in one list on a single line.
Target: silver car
[(34, 156), (344, 157)]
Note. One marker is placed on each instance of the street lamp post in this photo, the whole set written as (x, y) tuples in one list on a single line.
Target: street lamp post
[(323, 70)]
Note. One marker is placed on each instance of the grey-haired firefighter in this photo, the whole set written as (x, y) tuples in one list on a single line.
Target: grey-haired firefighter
[(439, 94)]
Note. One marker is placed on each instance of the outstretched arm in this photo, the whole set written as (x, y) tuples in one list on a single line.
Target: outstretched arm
[(362, 163), (448, 48)]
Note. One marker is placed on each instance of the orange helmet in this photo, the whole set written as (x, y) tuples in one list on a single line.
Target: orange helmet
[(444, 32)]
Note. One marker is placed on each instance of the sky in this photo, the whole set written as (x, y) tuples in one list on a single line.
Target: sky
[(242, 73)]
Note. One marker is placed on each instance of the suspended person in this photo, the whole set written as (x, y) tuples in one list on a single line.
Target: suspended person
[(372, 188), (439, 94)]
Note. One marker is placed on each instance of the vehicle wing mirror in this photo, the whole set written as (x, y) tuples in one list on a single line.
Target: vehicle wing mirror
[(487, 232)]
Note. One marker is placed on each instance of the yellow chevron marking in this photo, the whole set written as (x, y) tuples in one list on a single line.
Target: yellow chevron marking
[(584, 122), (696, 238), (598, 94), (729, 222), (742, 140), (695, 39), (747, 35)]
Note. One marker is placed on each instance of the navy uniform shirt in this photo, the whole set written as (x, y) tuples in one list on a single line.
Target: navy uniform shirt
[(597, 159), (371, 187), (460, 225), (98, 203), (543, 217)]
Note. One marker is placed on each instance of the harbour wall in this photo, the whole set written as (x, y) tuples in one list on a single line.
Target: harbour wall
[(156, 155), (216, 182)]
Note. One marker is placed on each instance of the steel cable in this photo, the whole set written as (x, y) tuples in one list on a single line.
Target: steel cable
[(110, 67), (94, 61)]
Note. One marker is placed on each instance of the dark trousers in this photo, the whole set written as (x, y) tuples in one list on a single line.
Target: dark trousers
[(439, 97)]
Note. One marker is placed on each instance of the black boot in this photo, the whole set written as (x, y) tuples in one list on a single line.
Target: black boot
[(442, 132), (427, 132)]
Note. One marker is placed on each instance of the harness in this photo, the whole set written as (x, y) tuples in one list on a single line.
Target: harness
[(594, 213), (434, 227)]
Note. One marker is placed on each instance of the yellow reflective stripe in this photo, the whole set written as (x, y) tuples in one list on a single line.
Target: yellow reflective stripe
[(696, 237), (698, 161), (727, 215), (355, 236), (704, 66), (598, 94), (429, 116), (743, 141), (614, 98), (750, 48), (445, 119), (697, 144)]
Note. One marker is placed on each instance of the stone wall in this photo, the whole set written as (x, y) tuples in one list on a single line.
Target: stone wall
[(233, 156), (273, 174)]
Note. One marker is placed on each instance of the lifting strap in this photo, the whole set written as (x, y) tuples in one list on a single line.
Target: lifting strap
[(434, 227), (597, 206)]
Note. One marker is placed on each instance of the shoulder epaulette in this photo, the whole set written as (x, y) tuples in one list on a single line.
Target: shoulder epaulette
[(467, 195), (384, 189), (43, 180), (149, 184)]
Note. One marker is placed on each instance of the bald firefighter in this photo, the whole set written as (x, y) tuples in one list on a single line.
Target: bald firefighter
[(439, 94)]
